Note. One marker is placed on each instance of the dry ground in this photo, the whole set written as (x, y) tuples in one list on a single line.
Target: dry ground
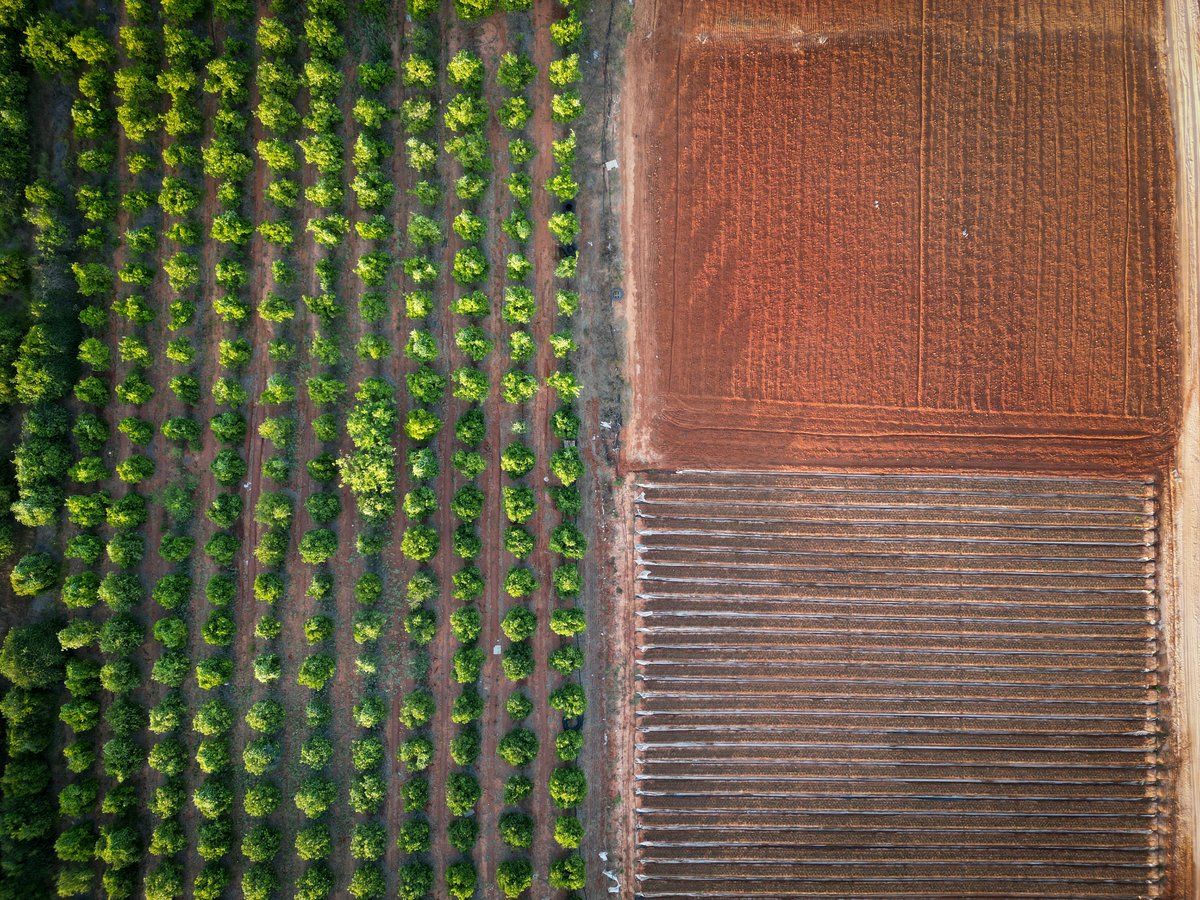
[(902, 232)]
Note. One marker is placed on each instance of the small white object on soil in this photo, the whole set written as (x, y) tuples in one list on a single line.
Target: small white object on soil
[(610, 165)]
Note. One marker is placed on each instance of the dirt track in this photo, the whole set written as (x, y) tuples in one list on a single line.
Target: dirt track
[(1181, 540)]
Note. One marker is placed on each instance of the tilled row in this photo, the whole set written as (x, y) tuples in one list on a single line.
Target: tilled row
[(896, 686)]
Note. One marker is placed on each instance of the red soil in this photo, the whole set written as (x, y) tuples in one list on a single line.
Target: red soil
[(901, 233)]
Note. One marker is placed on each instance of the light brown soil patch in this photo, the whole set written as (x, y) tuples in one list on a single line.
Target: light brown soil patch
[(902, 233)]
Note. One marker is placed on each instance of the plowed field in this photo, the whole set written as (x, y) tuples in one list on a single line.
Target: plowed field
[(902, 232), (928, 686)]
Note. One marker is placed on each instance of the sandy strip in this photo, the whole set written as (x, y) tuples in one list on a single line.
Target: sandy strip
[(1182, 543)]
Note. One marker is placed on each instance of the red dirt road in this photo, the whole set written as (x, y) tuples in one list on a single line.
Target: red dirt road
[(897, 232)]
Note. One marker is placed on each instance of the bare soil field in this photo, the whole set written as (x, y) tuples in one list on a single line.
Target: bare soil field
[(873, 685), (901, 233)]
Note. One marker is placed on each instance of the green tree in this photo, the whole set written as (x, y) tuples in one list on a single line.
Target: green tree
[(31, 656), (514, 876)]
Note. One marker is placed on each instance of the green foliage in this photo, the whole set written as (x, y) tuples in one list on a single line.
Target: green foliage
[(520, 582), (518, 706), (519, 747), (419, 543), (569, 699), (517, 459), (417, 708), (261, 799), (470, 266), (568, 744), (519, 504), (462, 793), (517, 661), (568, 787), (416, 876), (316, 671), (416, 753), (516, 830), (213, 672), (514, 876), (318, 545), (315, 795), (31, 656), (266, 716), (414, 836), (461, 879), (212, 798), (33, 574), (567, 540), (313, 842), (566, 660)]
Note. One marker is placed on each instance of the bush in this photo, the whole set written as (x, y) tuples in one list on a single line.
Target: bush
[(420, 543), (215, 838), (212, 718), (517, 459), (568, 622), (33, 574), (266, 716), (416, 876), (212, 798), (461, 879), (568, 744), (213, 672), (570, 700), (516, 830), (315, 795), (514, 877), (212, 756), (567, 540), (31, 656), (468, 664), (416, 753), (566, 660), (464, 748), (261, 799), (518, 541), (259, 882), (220, 629), (261, 843), (568, 787), (316, 671), (318, 545), (520, 582), (519, 747), (260, 755), (313, 842), (517, 661), (417, 708), (367, 793), (211, 882), (462, 793)]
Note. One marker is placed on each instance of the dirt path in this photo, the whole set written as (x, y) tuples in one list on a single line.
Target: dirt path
[(547, 722), (394, 643), (608, 569), (258, 332), (454, 36), (348, 565), (1182, 490), (205, 330), (494, 687)]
